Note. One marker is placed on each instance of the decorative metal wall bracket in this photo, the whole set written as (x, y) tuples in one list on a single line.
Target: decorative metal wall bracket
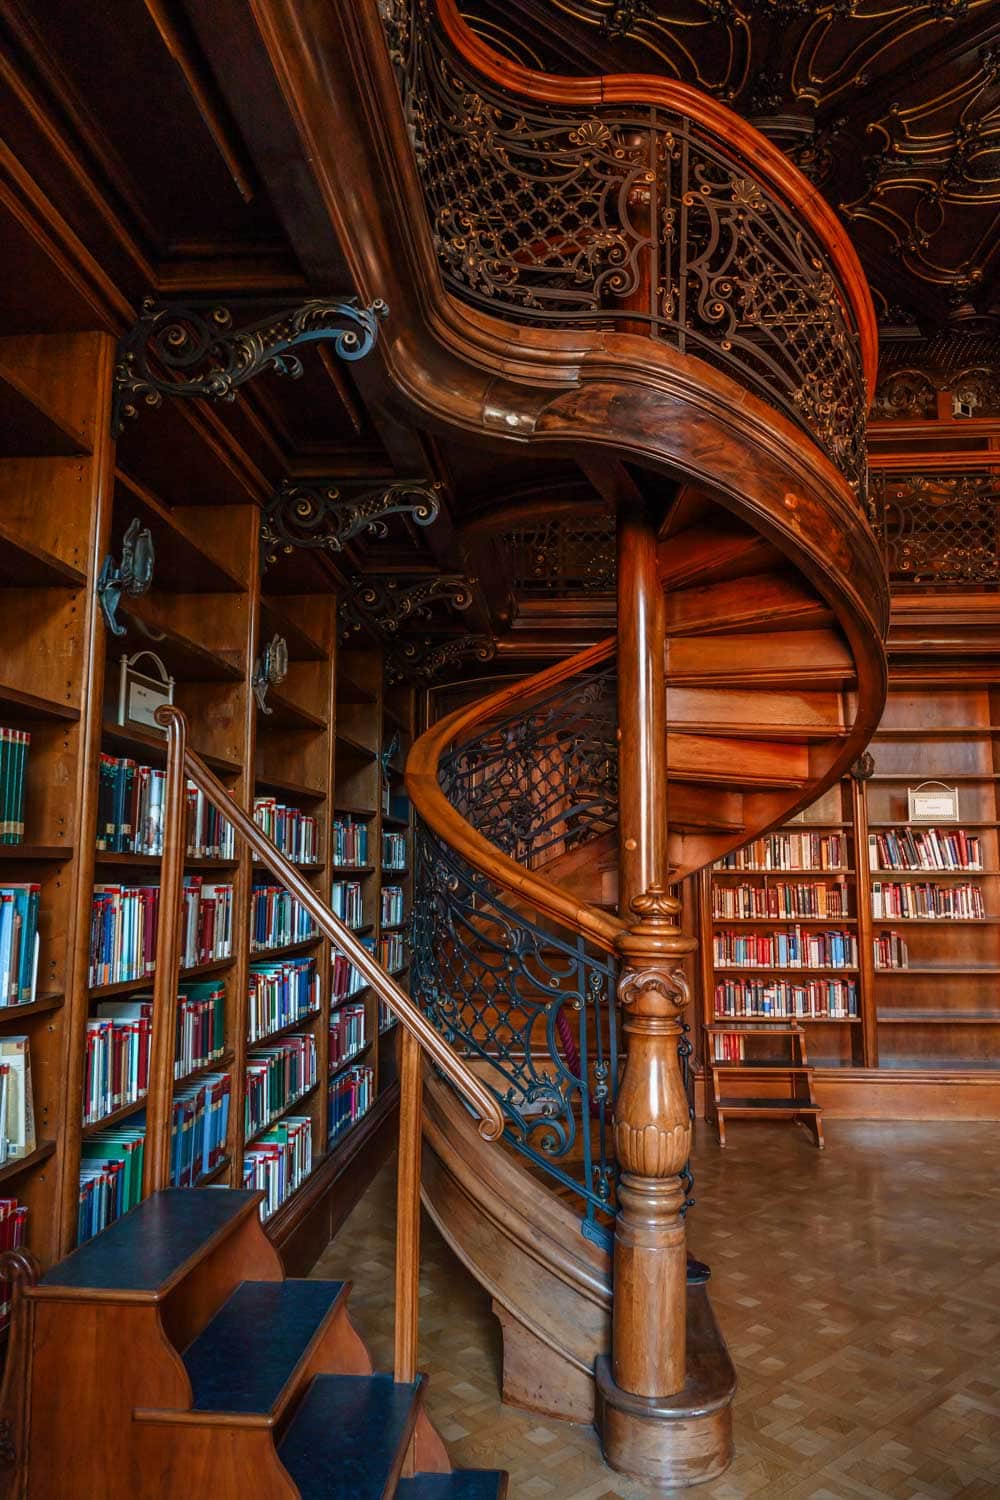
[(270, 668), (318, 517), (383, 604), (191, 349), (132, 576), (422, 660)]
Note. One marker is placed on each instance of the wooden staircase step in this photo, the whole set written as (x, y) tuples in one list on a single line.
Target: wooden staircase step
[(349, 1436), (771, 599), (768, 1106), (705, 553), (245, 1359), (151, 1249), (460, 1484)]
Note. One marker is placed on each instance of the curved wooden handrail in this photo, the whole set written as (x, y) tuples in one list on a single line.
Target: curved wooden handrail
[(424, 788), (796, 191), (465, 1082)]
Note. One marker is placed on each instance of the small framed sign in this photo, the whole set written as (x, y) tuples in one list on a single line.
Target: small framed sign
[(139, 694), (933, 802)]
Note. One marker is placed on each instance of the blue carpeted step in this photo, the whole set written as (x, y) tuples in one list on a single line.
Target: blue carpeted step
[(153, 1246), (349, 1436), (462, 1484), (244, 1358)]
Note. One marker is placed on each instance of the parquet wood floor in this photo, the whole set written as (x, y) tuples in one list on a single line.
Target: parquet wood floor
[(859, 1290)]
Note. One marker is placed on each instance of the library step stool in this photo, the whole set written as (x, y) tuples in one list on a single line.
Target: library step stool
[(741, 1052), (169, 1357)]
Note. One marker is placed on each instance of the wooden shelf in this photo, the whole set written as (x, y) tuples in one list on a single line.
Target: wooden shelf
[(39, 852), (360, 814), (275, 621), (799, 1020), (289, 950), (117, 1115), (287, 714), (923, 970), (943, 826), (775, 969), (785, 874), (938, 731), (153, 861), (346, 1062), (935, 874), (916, 777), (134, 738), (28, 427), (269, 785), (186, 659), (216, 1171), (305, 867), (939, 1018), (349, 690), (221, 1064), (292, 1104), (388, 821), (215, 966), (182, 566), (25, 565), (350, 749), (353, 869), (306, 1019), (120, 987), (51, 1000), (42, 1152), (28, 707), (936, 921)]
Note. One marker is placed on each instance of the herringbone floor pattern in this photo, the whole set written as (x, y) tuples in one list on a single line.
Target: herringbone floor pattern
[(859, 1290)]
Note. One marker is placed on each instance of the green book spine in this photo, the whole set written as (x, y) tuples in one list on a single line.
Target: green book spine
[(6, 756)]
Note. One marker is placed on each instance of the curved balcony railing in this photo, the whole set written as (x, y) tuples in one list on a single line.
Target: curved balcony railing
[(531, 1001), (574, 203)]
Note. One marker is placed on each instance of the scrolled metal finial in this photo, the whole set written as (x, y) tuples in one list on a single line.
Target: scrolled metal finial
[(270, 669), (191, 349), (863, 768), (317, 516), (132, 576)]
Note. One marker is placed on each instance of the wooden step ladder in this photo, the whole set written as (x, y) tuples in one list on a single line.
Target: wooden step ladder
[(170, 1357), (739, 1052)]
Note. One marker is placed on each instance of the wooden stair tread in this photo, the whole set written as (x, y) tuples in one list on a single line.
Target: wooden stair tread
[(370, 1419), (460, 1484), (778, 1106), (245, 1356), (152, 1247)]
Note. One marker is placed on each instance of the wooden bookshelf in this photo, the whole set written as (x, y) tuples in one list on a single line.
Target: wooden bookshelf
[(931, 1026)]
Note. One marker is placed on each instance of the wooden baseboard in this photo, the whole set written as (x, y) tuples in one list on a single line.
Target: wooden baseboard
[(303, 1228), (931, 1094)]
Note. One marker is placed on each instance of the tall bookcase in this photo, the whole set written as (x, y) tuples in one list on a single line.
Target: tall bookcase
[(925, 1039), (315, 744)]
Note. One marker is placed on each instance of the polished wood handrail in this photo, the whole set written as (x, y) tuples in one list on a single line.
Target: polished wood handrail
[(782, 176), (424, 788), (475, 1093)]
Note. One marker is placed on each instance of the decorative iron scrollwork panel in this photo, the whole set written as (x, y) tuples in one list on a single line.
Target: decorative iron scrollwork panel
[(629, 216), (319, 517), (940, 530)]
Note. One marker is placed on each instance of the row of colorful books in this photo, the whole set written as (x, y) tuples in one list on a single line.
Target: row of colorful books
[(807, 899), (276, 1077), (392, 906), (347, 902), (346, 979), (816, 1000), (279, 1162), (797, 948), (916, 899), (17, 1107), (394, 851), (14, 745), (281, 993), (348, 1098), (294, 832), (925, 849), (13, 1223), (392, 951), (125, 920), (729, 1047), (348, 1033), (112, 1160), (116, 1067), (19, 942), (789, 851), (891, 951), (350, 841), (277, 919), (130, 812)]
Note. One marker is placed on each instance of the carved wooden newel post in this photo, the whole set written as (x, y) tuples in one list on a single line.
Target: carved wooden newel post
[(644, 1409)]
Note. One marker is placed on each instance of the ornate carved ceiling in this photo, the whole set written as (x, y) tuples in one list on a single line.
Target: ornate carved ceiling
[(891, 106)]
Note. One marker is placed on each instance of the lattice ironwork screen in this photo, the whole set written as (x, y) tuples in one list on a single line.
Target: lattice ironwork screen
[(940, 530)]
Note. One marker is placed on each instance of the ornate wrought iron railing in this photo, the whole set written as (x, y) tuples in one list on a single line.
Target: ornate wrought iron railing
[(630, 217), (533, 1004), (940, 530)]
